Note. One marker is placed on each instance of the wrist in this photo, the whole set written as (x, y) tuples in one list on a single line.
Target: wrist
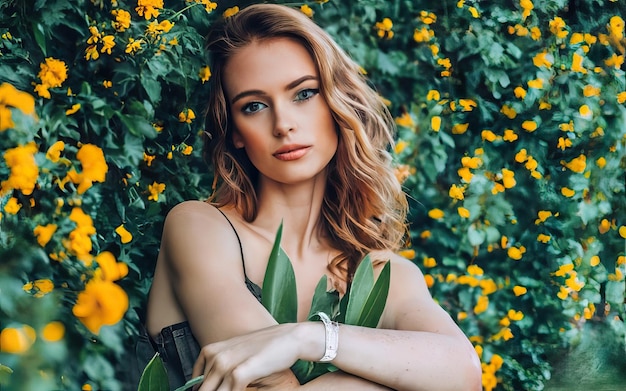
[(312, 340)]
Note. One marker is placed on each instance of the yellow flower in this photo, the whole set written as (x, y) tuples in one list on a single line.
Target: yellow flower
[(567, 192), (430, 281), (585, 111), (563, 293), (535, 83), (590, 90), (407, 253), (471, 162), (101, 303), (605, 226), (125, 236), (54, 152), (529, 126), (543, 238), (400, 146), (423, 34), (616, 27), (557, 27), (204, 74), (148, 159), (305, 9), (73, 110), (155, 189), (187, 150), (515, 253), (482, 305), (622, 231), (509, 112), (44, 233), (122, 20), (519, 290), (435, 123), (24, 169), (519, 92), (456, 192), (17, 340), (475, 270), (474, 12), (52, 74), (39, 288), (488, 286), (428, 17), (230, 12), (509, 135), (430, 262), (405, 120), (436, 214), (564, 143), (515, 315), (53, 331), (577, 63), (12, 206), (488, 135), (187, 116), (108, 42), (133, 45), (149, 8), (527, 6), (508, 178), (459, 128), (94, 167), (577, 164), (110, 268), (621, 97), (12, 97), (463, 212), (384, 28), (425, 234), (594, 261), (467, 104), (433, 95), (465, 174)]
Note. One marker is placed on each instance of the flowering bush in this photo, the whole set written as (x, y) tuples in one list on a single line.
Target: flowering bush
[(512, 128)]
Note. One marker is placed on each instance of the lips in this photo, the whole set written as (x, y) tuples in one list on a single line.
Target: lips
[(291, 152)]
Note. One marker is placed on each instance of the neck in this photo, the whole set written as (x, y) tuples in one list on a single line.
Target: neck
[(298, 206)]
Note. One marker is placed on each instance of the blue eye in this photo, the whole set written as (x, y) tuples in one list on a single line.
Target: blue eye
[(306, 94), (253, 107)]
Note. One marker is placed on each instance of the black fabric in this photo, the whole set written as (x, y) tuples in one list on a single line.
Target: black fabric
[(175, 344)]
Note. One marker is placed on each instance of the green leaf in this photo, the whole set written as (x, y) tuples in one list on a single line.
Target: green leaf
[(191, 383), (138, 125), (5, 374), (154, 376), (279, 295), (324, 301), (40, 36), (361, 286), (375, 304)]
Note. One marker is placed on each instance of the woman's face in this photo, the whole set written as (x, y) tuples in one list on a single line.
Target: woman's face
[(279, 116)]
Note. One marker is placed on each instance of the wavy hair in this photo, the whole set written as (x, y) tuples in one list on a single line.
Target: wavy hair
[(364, 208)]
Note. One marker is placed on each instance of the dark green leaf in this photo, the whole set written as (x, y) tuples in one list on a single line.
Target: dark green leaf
[(376, 300), (279, 295), (361, 286), (324, 301), (154, 376)]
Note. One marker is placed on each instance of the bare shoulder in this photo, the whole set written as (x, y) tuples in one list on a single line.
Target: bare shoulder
[(195, 232)]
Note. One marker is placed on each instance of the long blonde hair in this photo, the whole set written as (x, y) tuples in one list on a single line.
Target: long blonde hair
[(364, 207)]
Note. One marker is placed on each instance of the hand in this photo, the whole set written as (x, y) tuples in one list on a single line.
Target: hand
[(233, 364)]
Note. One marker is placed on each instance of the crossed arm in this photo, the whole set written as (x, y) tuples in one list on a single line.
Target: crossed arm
[(418, 346)]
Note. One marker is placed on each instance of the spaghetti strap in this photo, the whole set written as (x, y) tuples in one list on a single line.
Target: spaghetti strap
[(252, 287)]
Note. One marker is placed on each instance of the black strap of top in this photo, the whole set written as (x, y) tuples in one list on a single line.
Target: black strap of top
[(243, 263)]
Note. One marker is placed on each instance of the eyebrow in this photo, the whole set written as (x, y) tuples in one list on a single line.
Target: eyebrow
[(289, 86)]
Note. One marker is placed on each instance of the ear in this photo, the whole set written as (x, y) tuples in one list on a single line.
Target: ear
[(237, 139)]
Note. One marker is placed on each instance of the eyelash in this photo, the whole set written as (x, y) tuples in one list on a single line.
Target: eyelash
[(311, 92)]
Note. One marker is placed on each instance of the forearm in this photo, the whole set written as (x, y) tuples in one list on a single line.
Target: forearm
[(407, 360), (341, 381)]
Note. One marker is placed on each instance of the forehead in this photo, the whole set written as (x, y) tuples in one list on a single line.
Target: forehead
[(266, 64)]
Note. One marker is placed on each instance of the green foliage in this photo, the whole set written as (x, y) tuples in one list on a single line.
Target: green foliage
[(512, 128), (362, 305)]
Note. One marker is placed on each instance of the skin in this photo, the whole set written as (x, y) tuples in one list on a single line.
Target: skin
[(273, 90)]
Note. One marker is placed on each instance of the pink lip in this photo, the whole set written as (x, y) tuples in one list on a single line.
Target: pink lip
[(291, 152)]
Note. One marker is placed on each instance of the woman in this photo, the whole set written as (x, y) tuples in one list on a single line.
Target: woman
[(295, 136)]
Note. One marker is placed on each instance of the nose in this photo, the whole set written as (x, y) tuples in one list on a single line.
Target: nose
[(284, 121)]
